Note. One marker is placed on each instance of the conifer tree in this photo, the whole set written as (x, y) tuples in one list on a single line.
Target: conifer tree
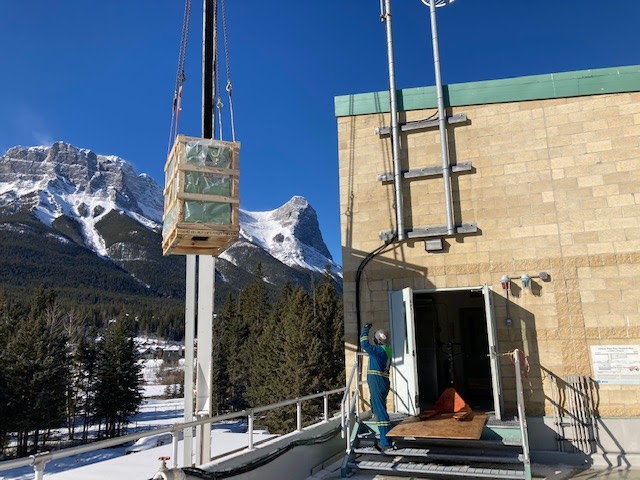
[(233, 335), (266, 385), (118, 378), (254, 307), (85, 357), (6, 420), (36, 363), (253, 310), (328, 310), (221, 352), (302, 350)]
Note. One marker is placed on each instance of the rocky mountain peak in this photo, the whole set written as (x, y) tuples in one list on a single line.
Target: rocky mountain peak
[(65, 185)]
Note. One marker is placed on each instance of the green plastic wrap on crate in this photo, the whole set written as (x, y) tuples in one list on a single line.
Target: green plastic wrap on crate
[(169, 221), (207, 183), (208, 155), (207, 212)]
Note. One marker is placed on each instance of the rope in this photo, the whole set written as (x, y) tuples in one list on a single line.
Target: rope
[(216, 75), (229, 87), (180, 75), (524, 370)]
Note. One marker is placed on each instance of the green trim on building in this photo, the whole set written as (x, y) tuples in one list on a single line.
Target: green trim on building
[(535, 87)]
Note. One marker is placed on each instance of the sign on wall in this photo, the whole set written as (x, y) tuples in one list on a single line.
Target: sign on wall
[(616, 364)]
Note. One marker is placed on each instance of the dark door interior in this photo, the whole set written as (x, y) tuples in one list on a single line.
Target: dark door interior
[(451, 330)]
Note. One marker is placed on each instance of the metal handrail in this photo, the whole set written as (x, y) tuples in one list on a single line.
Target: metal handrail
[(350, 401), (39, 460), (522, 419)]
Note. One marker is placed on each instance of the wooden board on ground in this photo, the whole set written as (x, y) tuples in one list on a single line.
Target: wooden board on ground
[(441, 426)]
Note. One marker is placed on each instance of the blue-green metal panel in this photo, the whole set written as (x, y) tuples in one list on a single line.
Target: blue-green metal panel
[(535, 87)]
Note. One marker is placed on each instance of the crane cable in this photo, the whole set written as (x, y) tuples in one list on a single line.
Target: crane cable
[(216, 74), (180, 75), (229, 86)]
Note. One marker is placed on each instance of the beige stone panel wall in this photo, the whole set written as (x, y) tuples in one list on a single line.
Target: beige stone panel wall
[(554, 187)]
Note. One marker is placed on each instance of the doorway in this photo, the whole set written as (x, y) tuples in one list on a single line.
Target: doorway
[(453, 335)]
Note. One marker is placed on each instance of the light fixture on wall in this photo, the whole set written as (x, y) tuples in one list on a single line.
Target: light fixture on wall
[(505, 280)]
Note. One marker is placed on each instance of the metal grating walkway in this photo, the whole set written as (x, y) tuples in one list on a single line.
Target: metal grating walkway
[(441, 470)]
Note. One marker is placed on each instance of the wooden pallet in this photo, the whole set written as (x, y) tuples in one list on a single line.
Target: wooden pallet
[(188, 239)]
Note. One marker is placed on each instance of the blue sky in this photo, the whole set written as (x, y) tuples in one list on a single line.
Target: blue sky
[(101, 75)]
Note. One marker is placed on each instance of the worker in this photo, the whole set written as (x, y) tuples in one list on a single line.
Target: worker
[(378, 379)]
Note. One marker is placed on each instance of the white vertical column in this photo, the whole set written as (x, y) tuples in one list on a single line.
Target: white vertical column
[(206, 286), (189, 356)]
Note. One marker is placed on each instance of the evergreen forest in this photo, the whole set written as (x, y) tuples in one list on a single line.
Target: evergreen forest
[(57, 373), (269, 351), (58, 370)]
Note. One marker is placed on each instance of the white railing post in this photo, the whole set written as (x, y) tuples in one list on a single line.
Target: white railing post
[(522, 419), (39, 462), (326, 407), (250, 428), (38, 468), (299, 414), (175, 436)]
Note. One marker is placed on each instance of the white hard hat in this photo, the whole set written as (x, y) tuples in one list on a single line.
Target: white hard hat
[(381, 336)]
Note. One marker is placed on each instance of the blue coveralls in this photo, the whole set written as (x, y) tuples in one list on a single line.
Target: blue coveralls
[(378, 381)]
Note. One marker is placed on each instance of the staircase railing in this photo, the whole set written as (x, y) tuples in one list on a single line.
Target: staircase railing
[(522, 419), (350, 407)]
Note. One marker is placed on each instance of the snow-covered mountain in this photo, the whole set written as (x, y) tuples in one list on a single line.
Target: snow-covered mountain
[(66, 181), (62, 180), (72, 219)]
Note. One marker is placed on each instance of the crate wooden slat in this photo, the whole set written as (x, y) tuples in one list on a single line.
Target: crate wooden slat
[(201, 197)]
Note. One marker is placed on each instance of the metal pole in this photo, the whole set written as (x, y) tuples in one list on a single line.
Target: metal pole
[(325, 405), (208, 70), (444, 145), (206, 278), (250, 429), (395, 128), (189, 356), (174, 449), (206, 263)]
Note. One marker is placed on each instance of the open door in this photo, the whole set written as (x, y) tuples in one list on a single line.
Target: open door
[(494, 359), (404, 371)]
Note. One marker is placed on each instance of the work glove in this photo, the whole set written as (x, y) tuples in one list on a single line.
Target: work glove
[(368, 325)]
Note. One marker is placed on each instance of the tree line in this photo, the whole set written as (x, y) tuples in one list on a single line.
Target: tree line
[(55, 372), (58, 370)]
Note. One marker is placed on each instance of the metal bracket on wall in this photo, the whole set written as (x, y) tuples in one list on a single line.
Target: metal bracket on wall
[(427, 172), (423, 124), (429, 232)]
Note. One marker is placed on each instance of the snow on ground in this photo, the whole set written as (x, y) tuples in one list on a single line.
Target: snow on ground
[(155, 412), (110, 463)]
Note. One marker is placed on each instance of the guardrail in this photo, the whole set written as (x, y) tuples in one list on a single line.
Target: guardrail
[(40, 460), (350, 401)]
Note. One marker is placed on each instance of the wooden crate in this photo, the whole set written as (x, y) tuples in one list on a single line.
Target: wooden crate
[(201, 198)]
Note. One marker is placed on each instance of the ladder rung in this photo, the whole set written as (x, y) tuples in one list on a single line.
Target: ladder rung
[(426, 171), (422, 124)]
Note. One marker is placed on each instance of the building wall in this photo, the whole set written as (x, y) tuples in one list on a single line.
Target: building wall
[(555, 187)]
